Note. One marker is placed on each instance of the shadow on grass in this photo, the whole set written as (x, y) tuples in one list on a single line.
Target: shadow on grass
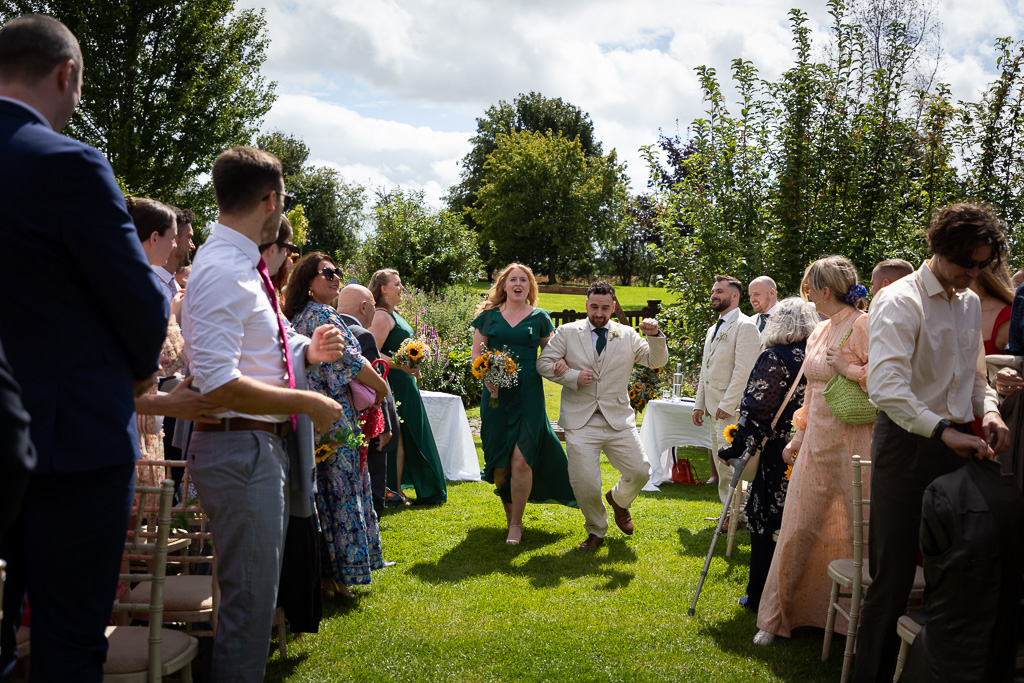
[(283, 668), (483, 552), (791, 659)]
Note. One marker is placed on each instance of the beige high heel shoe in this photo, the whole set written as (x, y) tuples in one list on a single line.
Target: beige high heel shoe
[(515, 534)]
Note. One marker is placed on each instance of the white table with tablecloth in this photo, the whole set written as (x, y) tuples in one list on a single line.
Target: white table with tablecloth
[(454, 440), (667, 424)]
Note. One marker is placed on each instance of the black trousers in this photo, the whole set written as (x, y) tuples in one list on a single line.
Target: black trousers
[(377, 465), (762, 549), (903, 464), (65, 551)]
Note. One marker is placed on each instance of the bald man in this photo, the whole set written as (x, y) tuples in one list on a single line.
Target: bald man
[(764, 299), (355, 304)]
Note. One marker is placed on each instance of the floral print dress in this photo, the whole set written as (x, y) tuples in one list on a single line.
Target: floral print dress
[(151, 433), (350, 535)]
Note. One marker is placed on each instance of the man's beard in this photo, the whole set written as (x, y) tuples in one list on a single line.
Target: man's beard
[(721, 305)]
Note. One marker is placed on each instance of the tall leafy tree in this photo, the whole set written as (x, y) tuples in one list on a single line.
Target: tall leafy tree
[(168, 86), (547, 204), (333, 208), (532, 112), (430, 248)]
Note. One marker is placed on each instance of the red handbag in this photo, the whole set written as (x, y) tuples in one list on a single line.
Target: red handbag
[(682, 472)]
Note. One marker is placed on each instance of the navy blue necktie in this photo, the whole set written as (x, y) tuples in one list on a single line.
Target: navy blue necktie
[(602, 338), (717, 325)]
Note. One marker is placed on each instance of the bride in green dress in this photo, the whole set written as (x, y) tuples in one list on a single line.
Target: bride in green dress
[(522, 456), (416, 460)]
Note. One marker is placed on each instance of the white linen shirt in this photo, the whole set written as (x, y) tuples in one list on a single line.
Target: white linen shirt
[(227, 320), (926, 361)]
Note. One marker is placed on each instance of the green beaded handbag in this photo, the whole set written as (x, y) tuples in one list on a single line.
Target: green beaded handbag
[(847, 401)]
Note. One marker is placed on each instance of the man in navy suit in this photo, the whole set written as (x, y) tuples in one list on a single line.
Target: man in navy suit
[(83, 324)]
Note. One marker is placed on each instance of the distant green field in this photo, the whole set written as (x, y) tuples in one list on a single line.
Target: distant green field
[(630, 297)]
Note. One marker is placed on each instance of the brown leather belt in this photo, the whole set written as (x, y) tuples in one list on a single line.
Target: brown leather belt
[(244, 424)]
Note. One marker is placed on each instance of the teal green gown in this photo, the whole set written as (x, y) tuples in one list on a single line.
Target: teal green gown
[(422, 469), (520, 417)]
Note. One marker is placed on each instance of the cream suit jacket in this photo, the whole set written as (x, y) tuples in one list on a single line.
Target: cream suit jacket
[(726, 364), (609, 389)]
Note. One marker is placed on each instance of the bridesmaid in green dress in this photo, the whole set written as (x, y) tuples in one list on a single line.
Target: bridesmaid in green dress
[(522, 456), (416, 460)]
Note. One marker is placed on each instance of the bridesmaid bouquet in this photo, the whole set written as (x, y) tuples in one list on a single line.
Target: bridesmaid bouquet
[(411, 353), (498, 368)]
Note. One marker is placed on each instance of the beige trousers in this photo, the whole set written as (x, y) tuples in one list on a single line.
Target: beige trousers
[(718, 441), (583, 448)]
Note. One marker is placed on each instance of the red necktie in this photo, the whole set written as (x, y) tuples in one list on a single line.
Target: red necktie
[(269, 286)]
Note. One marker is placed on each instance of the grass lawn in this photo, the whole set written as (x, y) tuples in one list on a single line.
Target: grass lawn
[(463, 606), (631, 298)]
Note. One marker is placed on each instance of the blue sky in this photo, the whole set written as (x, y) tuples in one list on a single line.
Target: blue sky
[(388, 91)]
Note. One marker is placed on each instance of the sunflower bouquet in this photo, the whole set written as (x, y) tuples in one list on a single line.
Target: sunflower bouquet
[(497, 368), (644, 385), (333, 439), (411, 353)]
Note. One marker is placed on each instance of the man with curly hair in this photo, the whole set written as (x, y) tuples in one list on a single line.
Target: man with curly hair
[(926, 375)]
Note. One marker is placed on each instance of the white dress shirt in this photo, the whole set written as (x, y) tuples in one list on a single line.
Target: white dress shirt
[(170, 285), (926, 361), (227, 320)]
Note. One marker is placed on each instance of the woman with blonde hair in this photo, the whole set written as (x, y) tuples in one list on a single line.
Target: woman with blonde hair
[(995, 289), (416, 459), (522, 456), (818, 514)]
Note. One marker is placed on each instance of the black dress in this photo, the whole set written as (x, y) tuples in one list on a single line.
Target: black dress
[(769, 382)]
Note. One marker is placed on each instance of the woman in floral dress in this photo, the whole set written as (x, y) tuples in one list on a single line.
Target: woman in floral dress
[(785, 339), (350, 535)]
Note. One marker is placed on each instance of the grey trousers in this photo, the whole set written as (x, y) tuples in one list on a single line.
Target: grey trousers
[(242, 480)]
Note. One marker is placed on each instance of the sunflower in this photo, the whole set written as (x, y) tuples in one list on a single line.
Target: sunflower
[(511, 369), (415, 352), (480, 366), (632, 393), (323, 451), (730, 432), (657, 371)]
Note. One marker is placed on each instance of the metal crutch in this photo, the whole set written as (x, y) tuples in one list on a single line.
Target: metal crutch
[(737, 474)]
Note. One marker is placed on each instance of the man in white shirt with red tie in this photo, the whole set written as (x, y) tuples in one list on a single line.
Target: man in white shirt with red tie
[(240, 359)]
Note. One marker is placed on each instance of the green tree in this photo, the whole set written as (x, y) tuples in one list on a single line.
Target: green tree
[(168, 86), (532, 112), (839, 155), (333, 209), (430, 248), (545, 203)]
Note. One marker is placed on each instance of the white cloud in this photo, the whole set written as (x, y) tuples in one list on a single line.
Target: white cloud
[(388, 91)]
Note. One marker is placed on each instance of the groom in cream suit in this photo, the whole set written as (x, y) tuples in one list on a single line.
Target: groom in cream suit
[(592, 360), (730, 350)]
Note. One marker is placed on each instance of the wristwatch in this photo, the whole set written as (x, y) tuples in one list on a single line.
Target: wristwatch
[(939, 428)]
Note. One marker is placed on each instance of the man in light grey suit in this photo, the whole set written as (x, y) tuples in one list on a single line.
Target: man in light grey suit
[(592, 360), (730, 350)]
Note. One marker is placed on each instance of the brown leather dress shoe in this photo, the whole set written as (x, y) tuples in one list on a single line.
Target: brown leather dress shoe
[(623, 519), (592, 543)]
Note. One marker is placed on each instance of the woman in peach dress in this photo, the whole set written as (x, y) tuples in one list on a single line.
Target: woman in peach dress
[(817, 521)]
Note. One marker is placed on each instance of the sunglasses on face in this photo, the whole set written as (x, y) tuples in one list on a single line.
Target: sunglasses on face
[(968, 264), (331, 273), (288, 199)]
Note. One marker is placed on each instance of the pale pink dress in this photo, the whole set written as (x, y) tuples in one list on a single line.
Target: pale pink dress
[(817, 522)]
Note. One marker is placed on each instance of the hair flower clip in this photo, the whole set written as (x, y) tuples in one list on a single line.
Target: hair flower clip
[(855, 293)]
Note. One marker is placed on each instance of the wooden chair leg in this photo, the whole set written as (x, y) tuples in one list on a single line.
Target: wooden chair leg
[(282, 633), (901, 659), (851, 636), (830, 621)]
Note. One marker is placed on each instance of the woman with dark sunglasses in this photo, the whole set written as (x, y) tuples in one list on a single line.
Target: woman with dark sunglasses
[(350, 538)]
